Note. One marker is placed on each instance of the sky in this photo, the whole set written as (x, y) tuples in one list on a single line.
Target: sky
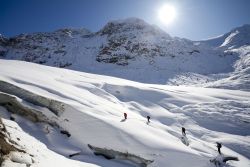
[(195, 19)]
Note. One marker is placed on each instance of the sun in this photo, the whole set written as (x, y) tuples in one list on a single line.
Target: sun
[(167, 14)]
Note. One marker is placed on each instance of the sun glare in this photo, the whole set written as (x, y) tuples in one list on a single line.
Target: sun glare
[(167, 14)]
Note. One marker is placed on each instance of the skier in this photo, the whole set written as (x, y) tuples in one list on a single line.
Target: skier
[(183, 131), (219, 147), (125, 115), (148, 117)]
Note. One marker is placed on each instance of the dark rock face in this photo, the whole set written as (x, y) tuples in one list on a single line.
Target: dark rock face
[(2, 53), (131, 38)]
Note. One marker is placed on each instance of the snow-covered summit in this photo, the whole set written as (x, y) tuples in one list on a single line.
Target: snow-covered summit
[(236, 38), (130, 25)]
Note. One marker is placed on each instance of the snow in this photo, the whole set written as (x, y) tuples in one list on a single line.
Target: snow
[(236, 38), (37, 153), (93, 113), (239, 78), (51, 115), (229, 38), (126, 49)]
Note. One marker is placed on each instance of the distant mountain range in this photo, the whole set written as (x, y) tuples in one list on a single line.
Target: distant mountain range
[(131, 49)]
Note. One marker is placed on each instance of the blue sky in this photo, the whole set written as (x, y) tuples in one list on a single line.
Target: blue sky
[(196, 19)]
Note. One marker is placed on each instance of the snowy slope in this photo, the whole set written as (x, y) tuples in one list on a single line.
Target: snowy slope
[(120, 48), (240, 78), (236, 38), (46, 100), (235, 42)]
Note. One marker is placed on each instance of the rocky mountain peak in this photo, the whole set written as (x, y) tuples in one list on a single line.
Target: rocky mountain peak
[(130, 25)]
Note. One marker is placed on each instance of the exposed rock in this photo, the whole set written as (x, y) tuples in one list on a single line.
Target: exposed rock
[(14, 106), (65, 133), (221, 160), (75, 154), (112, 154), (55, 106), (5, 146), (11, 117)]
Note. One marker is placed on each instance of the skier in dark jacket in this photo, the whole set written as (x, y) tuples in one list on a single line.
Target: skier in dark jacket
[(219, 145), (125, 115), (183, 131), (148, 117)]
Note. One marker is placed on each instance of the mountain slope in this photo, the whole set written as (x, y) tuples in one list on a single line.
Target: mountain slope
[(236, 38), (235, 42), (125, 48), (239, 79), (88, 109)]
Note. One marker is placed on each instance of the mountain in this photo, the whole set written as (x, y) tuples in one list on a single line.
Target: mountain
[(126, 48), (236, 38), (51, 116), (71, 116), (240, 77)]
